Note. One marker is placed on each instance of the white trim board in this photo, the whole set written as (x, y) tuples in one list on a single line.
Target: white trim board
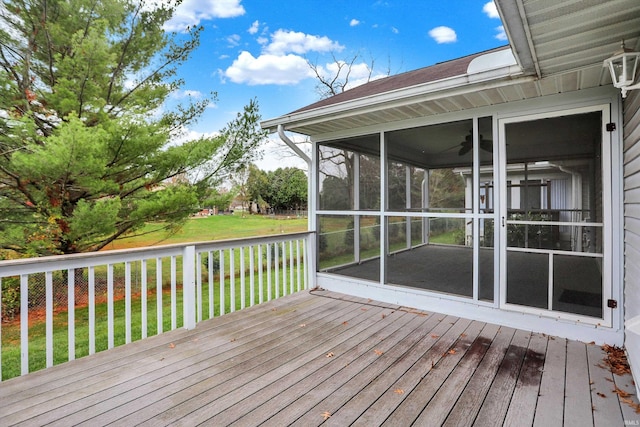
[(421, 300)]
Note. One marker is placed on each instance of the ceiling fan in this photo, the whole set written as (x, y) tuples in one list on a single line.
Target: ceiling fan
[(467, 144)]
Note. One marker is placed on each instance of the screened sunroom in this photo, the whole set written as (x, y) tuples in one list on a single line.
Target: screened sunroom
[(418, 208)]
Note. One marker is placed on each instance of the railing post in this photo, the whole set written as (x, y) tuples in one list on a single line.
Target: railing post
[(189, 287), (310, 261), (24, 324)]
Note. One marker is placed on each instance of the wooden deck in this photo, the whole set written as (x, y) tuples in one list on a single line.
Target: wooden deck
[(321, 357)]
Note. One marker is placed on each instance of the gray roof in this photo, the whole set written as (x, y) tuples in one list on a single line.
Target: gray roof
[(439, 71)]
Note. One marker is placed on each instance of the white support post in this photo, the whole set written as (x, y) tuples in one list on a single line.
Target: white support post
[(407, 205), (269, 271), (222, 283), (277, 268), (92, 310), (232, 280), (24, 324), (49, 318), (127, 302), (143, 297), (284, 269), (252, 282), (189, 287), (71, 314), (211, 281), (159, 317), (298, 263), (383, 207), (199, 287), (291, 287), (260, 281), (243, 292), (174, 308), (110, 312), (310, 250)]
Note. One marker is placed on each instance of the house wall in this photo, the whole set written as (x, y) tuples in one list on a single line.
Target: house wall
[(632, 230)]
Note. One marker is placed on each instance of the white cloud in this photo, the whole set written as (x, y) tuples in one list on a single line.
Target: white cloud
[(394, 30), (354, 23), (192, 12), (254, 27), (502, 35), (490, 9), (283, 42), (233, 40), (182, 94), (443, 34), (281, 61), (268, 69)]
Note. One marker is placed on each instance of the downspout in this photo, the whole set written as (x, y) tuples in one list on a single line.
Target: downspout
[(293, 146), (312, 246)]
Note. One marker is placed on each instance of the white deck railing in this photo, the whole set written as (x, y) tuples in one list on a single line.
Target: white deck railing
[(96, 301)]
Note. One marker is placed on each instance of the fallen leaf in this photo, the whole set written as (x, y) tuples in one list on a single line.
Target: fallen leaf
[(172, 345), (345, 322), (232, 340), (435, 336), (432, 365), (601, 394), (620, 393), (363, 309), (329, 354), (378, 352), (452, 351), (591, 382), (616, 360), (463, 335), (326, 414), (302, 325), (383, 316), (398, 391)]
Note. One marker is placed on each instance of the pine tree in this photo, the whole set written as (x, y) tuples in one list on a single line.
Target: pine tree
[(87, 145)]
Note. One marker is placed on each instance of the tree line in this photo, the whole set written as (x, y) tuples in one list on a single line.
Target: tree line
[(262, 191)]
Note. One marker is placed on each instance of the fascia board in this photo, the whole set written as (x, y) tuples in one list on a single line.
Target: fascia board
[(432, 90)]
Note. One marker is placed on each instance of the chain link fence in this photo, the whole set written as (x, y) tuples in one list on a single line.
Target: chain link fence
[(37, 295)]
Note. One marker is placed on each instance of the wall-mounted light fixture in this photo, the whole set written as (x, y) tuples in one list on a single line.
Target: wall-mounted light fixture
[(622, 66)]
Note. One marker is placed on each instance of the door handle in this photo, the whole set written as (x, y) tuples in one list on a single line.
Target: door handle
[(503, 221)]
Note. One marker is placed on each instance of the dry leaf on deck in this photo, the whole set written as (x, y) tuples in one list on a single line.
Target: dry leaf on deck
[(329, 354), (398, 391), (172, 345), (326, 414), (378, 352)]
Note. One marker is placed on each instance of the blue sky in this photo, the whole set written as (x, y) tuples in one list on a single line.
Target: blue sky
[(259, 48)]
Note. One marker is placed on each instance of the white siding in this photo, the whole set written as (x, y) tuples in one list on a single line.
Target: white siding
[(632, 230)]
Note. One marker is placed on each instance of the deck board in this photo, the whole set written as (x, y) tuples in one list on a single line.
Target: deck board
[(496, 403), (470, 400), (268, 365), (577, 408), (548, 410)]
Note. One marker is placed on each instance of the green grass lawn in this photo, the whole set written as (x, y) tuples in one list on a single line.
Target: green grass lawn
[(214, 227)]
